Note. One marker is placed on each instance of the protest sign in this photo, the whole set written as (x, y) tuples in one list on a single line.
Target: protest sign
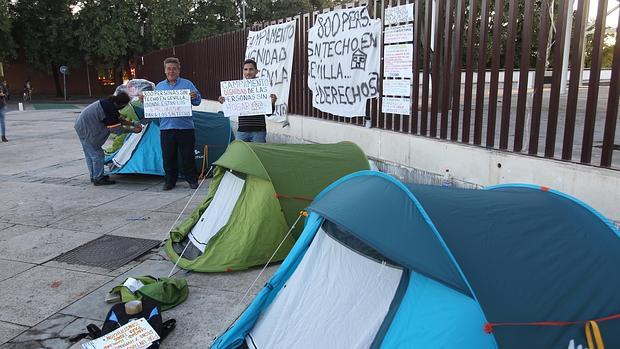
[(136, 334), (167, 104), (399, 33), (272, 49), (398, 60), (399, 14), (246, 97), (344, 52), (397, 88), (396, 105)]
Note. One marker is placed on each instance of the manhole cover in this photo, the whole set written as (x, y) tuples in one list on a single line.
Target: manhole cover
[(108, 251)]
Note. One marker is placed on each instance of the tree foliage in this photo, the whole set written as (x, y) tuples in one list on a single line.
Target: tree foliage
[(7, 46)]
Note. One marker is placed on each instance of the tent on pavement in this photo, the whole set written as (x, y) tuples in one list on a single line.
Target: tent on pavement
[(141, 152), (257, 193), (381, 264)]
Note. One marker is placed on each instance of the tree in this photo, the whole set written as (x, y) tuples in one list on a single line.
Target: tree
[(44, 32), (7, 50), (213, 17), (168, 23), (109, 34)]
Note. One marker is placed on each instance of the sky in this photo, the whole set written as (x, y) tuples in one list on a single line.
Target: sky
[(612, 19)]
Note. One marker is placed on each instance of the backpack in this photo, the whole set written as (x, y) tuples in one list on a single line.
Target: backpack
[(117, 317)]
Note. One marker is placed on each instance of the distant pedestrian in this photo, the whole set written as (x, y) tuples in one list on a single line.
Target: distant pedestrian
[(177, 133), (3, 94), (6, 87), (93, 127), (252, 128)]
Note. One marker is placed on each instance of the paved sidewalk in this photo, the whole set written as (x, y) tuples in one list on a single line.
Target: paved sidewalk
[(48, 207)]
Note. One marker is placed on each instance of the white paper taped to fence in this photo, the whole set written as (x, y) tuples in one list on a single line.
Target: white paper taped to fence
[(167, 104), (397, 61), (136, 334), (272, 48), (246, 97), (399, 33), (399, 14), (397, 88), (344, 50), (396, 105)]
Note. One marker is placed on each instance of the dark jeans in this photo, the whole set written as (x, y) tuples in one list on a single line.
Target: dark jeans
[(180, 142)]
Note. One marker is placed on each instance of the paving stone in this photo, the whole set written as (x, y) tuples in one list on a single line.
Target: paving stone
[(238, 281), (11, 268), (155, 226), (9, 331), (43, 244), (42, 291), (100, 220), (16, 230)]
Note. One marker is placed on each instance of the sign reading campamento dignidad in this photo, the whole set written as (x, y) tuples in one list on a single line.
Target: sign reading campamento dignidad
[(167, 104), (246, 97)]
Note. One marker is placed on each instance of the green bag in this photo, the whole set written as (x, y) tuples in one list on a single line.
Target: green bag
[(168, 292)]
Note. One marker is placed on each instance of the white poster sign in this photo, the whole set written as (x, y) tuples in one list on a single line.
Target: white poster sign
[(272, 48), (397, 61), (167, 104), (246, 97), (397, 88), (136, 334), (399, 14), (344, 52), (390, 105), (399, 33)]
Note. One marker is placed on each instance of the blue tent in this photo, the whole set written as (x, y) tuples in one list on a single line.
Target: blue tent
[(213, 134), (381, 264)]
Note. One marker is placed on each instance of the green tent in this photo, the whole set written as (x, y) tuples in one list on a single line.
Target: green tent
[(257, 193)]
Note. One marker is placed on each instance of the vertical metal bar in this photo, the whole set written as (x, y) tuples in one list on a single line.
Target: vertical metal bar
[(575, 60), (436, 69), (469, 71), (556, 81), (445, 71), (523, 74), (593, 83), (456, 72), (427, 61), (539, 80), (612, 106), (510, 61), (415, 88), (493, 86), (481, 76)]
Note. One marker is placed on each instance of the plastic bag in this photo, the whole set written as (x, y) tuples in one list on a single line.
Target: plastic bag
[(135, 87)]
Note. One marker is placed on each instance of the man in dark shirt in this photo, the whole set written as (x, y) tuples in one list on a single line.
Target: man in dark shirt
[(252, 128)]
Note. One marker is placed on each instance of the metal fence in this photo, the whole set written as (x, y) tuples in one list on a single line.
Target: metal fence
[(494, 78)]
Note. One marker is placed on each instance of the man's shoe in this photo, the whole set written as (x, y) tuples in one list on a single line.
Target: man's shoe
[(168, 186), (104, 176), (4, 139), (193, 185), (103, 181)]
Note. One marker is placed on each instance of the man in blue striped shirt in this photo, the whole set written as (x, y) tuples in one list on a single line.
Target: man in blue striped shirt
[(177, 133)]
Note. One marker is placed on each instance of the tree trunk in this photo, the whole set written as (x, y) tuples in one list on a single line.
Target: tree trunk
[(56, 79)]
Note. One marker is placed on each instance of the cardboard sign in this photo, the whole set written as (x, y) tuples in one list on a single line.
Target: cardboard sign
[(398, 61), (167, 104), (272, 48), (399, 14), (246, 97), (344, 51), (136, 334), (396, 105)]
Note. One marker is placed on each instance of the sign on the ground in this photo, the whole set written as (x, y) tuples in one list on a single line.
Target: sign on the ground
[(136, 334), (246, 97), (167, 104), (343, 61), (272, 49)]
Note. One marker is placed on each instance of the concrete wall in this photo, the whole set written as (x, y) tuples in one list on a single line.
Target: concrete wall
[(432, 161)]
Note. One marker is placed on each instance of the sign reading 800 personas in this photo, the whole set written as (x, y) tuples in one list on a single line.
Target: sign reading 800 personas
[(344, 53), (167, 104)]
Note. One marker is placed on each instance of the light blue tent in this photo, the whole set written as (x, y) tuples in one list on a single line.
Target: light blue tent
[(142, 153), (381, 264)]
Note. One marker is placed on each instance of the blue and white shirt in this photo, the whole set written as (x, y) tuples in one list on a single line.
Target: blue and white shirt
[(178, 123)]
